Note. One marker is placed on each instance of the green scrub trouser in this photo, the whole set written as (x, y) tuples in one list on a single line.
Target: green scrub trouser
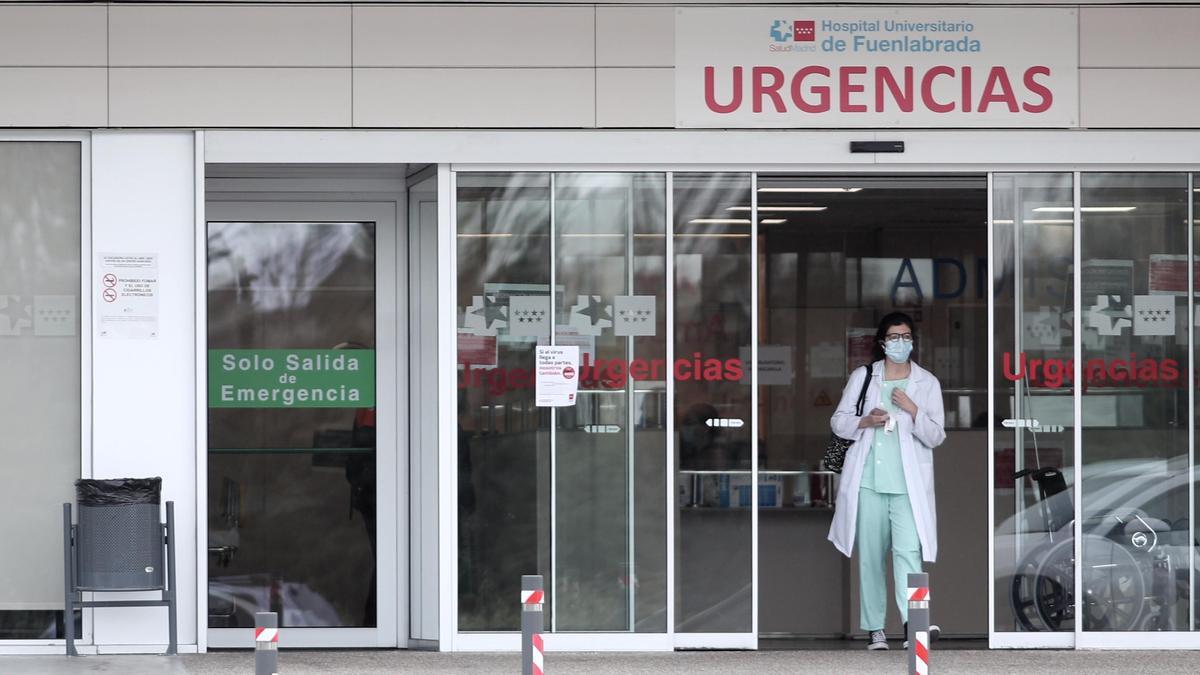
[(884, 520)]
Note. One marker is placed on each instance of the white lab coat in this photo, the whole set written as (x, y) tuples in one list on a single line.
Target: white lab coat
[(917, 439)]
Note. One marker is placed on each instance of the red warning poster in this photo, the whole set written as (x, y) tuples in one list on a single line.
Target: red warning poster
[(1168, 274), (859, 345)]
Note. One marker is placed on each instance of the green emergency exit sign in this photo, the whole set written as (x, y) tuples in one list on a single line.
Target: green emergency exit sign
[(291, 378)]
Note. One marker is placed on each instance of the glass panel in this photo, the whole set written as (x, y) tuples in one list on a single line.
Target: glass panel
[(503, 439), (1136, 475), (40, 351), (1033, 230), (291, 423), (1192, 577), (712, 402), (610, 450), (836, 254)]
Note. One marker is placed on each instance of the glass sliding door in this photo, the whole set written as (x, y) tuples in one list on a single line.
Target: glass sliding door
[(503, 244), (1137, 537), (1033, 421), (577, 493), (836, 254), (610, 448), (714, 415), (1094, 540)]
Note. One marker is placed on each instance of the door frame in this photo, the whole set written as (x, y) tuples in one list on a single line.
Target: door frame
[(391, 340), (982, 151)]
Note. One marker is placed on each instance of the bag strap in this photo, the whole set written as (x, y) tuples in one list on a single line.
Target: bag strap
[(862, 395)]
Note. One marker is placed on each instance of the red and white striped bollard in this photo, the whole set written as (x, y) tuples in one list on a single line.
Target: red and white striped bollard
[(532, 625), (266, 643), (918, 624)]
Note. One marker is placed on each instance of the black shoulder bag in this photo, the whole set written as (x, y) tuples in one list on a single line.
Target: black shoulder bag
[(835, 450)]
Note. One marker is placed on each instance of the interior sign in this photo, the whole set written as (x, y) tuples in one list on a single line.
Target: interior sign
[(810, 66), (291, 378)]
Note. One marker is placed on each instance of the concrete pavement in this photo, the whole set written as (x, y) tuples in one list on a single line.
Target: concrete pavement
[(332, 662)]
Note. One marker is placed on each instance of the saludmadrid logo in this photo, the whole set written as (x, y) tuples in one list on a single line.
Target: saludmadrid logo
[(783, 30), (793, 35)]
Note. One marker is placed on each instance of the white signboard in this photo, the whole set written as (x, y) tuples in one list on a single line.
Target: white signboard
[(127, 285), (557, 375), (804, 66), (774, 365)]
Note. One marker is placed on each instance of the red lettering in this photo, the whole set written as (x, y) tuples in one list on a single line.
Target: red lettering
[(1170, 370), (497, 381), (1038, 88), (927, 89), (1116, 370), (656, 368), (714, 370), (681, 370), (762, 89), (518, 378), (846, 88), (1009, 374), (733, 370), (966, 89), (998, 76), (639, 369), (902, 97), (616, 374), (821, 91), (710, 96), (1147, 370), (464, 380)]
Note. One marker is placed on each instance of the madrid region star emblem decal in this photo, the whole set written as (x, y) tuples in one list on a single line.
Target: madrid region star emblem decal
[(590, 315), (1153, 315), (1109, 315), (485, 315), (635, 314)]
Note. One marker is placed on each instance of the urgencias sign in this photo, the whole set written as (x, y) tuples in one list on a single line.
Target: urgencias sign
[(876, 67)]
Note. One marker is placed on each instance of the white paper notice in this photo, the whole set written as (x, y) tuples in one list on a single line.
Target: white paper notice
[(557, 375), (128, 290)]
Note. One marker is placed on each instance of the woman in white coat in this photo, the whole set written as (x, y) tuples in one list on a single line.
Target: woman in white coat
[(885, 498)]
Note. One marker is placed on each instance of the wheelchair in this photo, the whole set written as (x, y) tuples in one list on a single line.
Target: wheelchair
[(1132, 576)]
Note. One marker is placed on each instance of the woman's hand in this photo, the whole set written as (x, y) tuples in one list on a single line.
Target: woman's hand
[(903, 402), (875, 418)]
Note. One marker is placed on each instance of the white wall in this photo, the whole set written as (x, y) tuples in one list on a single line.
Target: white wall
[(144, 421), (404, 65)]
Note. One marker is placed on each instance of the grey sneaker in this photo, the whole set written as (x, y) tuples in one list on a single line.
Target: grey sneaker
[(878, 640), (934, 633)]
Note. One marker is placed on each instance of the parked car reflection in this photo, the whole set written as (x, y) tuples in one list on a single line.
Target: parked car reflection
[(233, 600)]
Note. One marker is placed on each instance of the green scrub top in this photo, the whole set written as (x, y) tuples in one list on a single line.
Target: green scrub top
[(884, 470)]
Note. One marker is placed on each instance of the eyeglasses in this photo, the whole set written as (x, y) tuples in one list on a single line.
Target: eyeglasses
[(896, 337)]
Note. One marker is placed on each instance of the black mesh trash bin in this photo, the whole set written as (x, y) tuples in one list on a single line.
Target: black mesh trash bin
[(120, 534), (119, 544)]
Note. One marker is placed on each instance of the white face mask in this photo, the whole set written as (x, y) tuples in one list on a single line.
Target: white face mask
[(897, 351)]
